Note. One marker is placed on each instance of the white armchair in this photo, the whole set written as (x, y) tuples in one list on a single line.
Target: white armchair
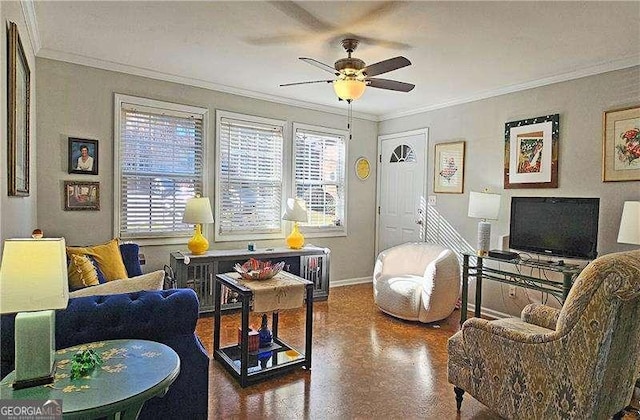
[(417, 282)]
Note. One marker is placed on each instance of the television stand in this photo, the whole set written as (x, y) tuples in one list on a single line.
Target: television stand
[(479, 272)]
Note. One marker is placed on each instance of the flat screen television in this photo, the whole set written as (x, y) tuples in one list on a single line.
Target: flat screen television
[(558, 226)]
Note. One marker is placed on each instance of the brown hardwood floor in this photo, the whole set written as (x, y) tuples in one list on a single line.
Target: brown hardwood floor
[(366, 365)]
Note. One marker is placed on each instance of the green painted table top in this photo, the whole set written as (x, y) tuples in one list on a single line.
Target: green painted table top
[(132, 372)]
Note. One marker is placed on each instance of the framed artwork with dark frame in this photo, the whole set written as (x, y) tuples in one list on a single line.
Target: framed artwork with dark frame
[(448, 174), (531, 152), (18, 102), (621, 145), (83, 156), (80, 195)]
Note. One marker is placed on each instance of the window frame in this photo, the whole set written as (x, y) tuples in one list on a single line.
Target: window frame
[(323, 231), (119, 101), (286, 170)]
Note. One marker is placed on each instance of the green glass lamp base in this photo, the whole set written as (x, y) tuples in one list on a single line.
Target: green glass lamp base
[(35, 348)]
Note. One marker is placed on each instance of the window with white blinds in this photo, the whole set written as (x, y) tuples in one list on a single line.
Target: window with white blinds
[(250, 184), (159, 165), (320, 176)]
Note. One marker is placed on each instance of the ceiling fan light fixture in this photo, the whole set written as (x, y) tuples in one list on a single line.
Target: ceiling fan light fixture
[(349, 89)]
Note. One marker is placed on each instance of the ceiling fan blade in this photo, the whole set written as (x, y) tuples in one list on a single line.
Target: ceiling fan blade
[(386, 66), (280, 39), (300, 14), (385, 43), (320, 65), (306, 83), (390, 85), (374, 15)]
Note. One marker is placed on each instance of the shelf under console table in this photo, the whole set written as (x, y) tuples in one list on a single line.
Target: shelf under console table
[(198, 272), (480, 271)]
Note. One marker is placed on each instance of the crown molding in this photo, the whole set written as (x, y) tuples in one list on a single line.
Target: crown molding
[(29, 12), (167, 77), (605, 67)]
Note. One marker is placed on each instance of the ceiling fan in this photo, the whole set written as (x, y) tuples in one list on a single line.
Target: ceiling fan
[(353, 75)]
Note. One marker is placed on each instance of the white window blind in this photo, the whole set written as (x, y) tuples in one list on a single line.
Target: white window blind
[(320, 178), (160, 167), (250, 176)]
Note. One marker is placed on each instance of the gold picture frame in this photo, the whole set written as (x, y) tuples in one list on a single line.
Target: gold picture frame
[(18, 101), (531, 152), (80, 195), (362, 168), (448, 177), (621, 144)]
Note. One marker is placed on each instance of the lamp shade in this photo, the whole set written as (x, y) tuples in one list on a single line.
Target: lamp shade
[(33, 275), (349, 88), (484, 205), (198, 210), (629, 232), (296, 210)]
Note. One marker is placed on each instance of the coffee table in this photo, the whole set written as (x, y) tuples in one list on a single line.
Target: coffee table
[(245, 366), (133, 371)]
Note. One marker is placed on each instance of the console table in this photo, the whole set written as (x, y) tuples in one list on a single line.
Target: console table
[(480, 271), (198, 272), (277, 358)]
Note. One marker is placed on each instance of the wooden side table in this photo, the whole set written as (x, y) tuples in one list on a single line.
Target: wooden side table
[(268, 361), (133, 371)]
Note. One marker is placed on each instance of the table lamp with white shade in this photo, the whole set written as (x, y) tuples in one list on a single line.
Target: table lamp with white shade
[(197, 212), (295, 211), (33, 282), (485, 206), (629, 232)]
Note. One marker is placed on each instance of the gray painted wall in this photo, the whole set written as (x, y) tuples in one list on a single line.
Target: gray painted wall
[(77, 101), (18, 214), (581, 104)]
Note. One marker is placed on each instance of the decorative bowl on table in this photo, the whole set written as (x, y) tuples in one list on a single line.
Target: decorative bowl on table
[(258, 270)]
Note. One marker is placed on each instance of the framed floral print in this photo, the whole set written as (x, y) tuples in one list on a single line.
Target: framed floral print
[(19, 92), (531, 152), (449, 168), (621, 145)]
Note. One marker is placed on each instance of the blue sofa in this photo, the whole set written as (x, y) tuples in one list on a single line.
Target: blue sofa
[(165, 316)]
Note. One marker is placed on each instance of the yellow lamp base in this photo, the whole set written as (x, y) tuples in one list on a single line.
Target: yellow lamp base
[(198, 244), (295, 240)]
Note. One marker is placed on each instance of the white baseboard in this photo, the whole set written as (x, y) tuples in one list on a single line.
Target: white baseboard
[(470, 307), (490, 313), (349, 282)]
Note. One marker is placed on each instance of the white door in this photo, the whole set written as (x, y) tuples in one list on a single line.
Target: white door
[(402, 188)]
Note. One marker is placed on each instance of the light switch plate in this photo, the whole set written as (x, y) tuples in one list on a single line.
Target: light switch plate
[(432, 200)]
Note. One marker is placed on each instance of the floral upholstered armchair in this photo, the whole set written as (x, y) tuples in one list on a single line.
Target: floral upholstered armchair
[(577, 362)]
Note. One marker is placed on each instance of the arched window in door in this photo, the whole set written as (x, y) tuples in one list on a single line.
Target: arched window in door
[(402, 153)]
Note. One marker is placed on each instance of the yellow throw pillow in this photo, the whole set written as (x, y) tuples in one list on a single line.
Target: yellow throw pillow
[(81, 272), (107, 256)]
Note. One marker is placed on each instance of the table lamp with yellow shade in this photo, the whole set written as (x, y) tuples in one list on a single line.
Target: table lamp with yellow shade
[(197, 212), (33, 282), (295, 211)]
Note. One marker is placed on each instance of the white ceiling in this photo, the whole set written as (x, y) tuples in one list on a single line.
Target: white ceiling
[(460, 51)]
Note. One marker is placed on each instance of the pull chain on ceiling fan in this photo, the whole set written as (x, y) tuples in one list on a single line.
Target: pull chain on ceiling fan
[(353, 75)]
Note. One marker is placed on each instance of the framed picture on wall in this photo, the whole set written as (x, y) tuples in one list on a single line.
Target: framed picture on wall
[(18, 102), (83, 156), (449, 168), (621, 145), (79, 195), (531, 152)]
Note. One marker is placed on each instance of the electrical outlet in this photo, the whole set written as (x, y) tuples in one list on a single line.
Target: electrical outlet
[(512, 291), (432, 200)]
